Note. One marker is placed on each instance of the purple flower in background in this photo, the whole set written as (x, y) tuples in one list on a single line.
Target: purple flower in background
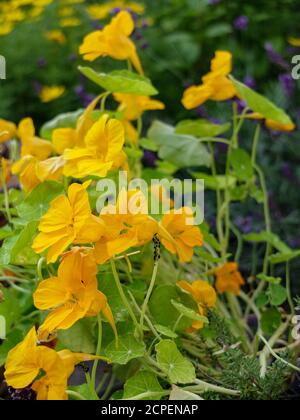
[(72, 57), (96, 25), (287, 83), (245, 224), (37, 87), (250, 82), (42, 62), (288, 173), (275, 57), (241, 23), (115, 10), (149, 159)]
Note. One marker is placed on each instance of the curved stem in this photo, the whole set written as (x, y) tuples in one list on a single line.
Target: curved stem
[(123, 296), (149, 293), (98, 351)]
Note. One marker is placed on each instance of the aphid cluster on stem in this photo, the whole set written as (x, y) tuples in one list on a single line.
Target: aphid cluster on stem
[(157, 246)]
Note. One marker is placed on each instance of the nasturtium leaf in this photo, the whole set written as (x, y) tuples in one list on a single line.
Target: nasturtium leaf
[(148, 145), (5, 232), (269, 279), (121, 81), (181, 150), (179, 394), (165, 331), (108, 287), (270, 238), (141, 383), (128, 348), (188, 313), (84, 390), (17, 249), (219, 182), (80, 338), (162, 310), (179, 369), (270, 321), (260, 104), (38, 201), (278, 294), (262, 300), (284, 257), (10, 308), (201, 128), (67, 120), (241, 163)]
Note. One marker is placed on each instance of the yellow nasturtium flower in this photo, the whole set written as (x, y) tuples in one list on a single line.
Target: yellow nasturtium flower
[(132, 107), (43, 369), (73, 294), (56, 36), (295, 42), (51, 93), (5, 170), (30, 143), (101, 153), (68, 221), (129, 225), (113, 41), (178, 236), (272, 124), (229, 279), (215, 85), (8, 130), (203, 294)]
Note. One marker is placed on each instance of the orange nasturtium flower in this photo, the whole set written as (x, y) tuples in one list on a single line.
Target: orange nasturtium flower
[(178, 236), (5, 170), (68, 221), (203, 294), (272, 124), (73, 294), (215, 85), (113, 41), (42, 368), (229, 279), (129, 226), (103, 150), (8, 130)]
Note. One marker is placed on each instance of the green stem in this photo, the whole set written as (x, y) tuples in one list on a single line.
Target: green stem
[(272, 352), (202, 387), (6, 198), (288, 288), (149, 293), (123, 296), (76, 395), (255, 144), (98, 351)]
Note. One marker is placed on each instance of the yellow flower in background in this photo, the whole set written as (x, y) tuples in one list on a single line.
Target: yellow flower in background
[(295, 42), (133, 106), (128, 225), (31, 144), (103, 150), (178, 236), (68, 221), (203, 294), (97, 11), (42, 368), (73, 294), (56, 36), (51, 93), (113, 41), (8, 130), (215, 85), (229, 279), (70, 22)]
